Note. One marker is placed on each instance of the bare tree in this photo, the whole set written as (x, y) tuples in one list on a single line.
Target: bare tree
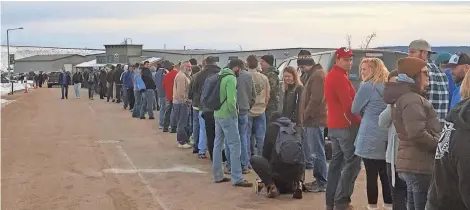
[(366, 42), (349, 40)]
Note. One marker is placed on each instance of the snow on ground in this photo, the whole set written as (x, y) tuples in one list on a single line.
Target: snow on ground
[(5, 102), (6, 87)]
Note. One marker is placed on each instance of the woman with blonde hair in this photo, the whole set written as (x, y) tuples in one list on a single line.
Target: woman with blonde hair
[(292, 91), (371, 140), (465, 87)]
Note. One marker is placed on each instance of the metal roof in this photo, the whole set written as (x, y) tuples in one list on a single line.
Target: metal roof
[(47, 57)]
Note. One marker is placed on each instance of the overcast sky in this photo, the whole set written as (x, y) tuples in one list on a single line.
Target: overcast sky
[(226, 25)]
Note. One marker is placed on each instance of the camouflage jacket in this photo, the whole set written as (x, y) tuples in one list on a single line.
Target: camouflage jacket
[(274, 87)]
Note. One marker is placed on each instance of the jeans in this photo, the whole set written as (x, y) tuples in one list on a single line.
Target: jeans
[(398, 191), (137, 104), (417, 189), (125, 98), (242, 130), (315, 140), (168, 109), (344, 167), (202, 146), (64, 89), (147, 103), (91, 90), (174, 118), (118, 92), (227, 130), (258, 125), (102, 90), (161, 117), (374, 169), (110, 90), (196, 129), (77, 87), (130, 98), (182, 128)]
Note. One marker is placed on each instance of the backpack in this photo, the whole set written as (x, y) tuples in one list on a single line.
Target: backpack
[(210, 97), (288, 144)]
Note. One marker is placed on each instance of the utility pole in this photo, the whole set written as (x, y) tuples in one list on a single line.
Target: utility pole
[(10, 70)]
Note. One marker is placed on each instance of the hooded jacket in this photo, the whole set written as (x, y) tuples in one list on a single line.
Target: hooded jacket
[(417, 128), (228, 95), (103, 76), (245, 92), (127, 80), (273, 77), (181, 88), (168, 82), (197, 83), (261, 86), (451, 188)]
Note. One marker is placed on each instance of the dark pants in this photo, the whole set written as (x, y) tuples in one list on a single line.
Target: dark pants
[(375, 168), (110, 90), (209, 122), (65, 91), (130, 98), (398, 191), (102, 90), (118, 92), (262, 167), (91, 89), (168, 108)]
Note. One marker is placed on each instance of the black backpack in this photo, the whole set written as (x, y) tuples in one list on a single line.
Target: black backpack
[(210, 97), (288, 147)]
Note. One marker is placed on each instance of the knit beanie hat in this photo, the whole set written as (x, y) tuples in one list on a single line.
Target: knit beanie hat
[(269, 59), (304, 58), (410, 66)]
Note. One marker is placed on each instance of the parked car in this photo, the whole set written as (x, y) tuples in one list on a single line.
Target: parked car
[(53, 79), (327, 60)]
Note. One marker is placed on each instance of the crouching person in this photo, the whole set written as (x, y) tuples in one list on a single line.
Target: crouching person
[(281, 166)]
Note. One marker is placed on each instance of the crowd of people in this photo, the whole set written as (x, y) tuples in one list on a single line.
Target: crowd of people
[(409, 125)]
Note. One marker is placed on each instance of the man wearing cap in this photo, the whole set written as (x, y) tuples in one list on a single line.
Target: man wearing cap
[(342, 130), (312, 110), (460, 65), (266, 63), (441, 60), (438, 93)]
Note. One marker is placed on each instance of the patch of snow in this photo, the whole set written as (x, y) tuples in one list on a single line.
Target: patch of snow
[(6, 87), (5, 102)]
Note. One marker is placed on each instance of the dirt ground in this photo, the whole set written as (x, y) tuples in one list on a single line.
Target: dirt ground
[(91, 155)]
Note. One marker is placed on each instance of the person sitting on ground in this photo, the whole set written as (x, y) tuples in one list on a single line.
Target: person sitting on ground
[(278, 176)]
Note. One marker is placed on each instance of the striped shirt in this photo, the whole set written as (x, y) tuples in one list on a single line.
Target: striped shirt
[(438, 91)]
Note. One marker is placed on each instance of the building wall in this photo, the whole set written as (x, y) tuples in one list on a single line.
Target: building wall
[(134, 50), (48, 66)]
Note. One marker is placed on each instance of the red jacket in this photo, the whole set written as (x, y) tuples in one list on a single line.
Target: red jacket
[(339, 95), (168, 82)]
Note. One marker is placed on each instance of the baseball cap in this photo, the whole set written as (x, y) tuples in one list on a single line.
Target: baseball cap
[(458, 59), (343, 52), (421, 44), (442, 58)]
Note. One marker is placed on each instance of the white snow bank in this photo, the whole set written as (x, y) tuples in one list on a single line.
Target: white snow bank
[(6, 87), (5, 102)]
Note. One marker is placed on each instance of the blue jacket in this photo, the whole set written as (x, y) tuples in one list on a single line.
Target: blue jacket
[(452, 86), (456, 97), (127, 80), (135, 74), (159, 81), (371, 140), (140, 83), (64, 79)]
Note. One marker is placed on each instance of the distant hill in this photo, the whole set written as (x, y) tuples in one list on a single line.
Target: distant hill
[(451, 49)]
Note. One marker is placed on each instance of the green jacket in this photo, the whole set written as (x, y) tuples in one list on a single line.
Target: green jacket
[(228, 93)]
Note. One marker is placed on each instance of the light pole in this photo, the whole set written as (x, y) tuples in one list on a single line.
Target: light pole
[(8, 52)]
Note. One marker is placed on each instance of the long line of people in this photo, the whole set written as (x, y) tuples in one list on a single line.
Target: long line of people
[(393, 123)]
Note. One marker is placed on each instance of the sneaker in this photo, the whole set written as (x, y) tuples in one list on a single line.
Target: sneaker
[(142, 118), (78, 97), (317, 188), (372, 207), (298, 189), (243, 183), (225, 179), (173, 131), (344, 207), (165, 130), (202, 156), (246, 171), (151, 118), (191, 140), (184, 146), (388, 206)]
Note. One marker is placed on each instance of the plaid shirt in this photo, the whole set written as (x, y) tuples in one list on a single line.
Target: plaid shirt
[(438, 92)]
